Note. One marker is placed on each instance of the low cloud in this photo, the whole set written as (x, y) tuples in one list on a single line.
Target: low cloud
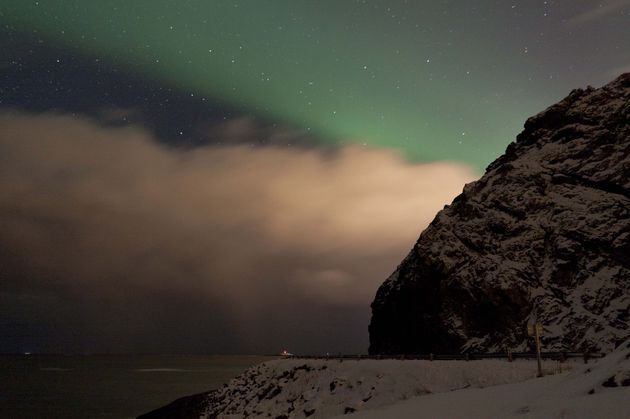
[(111, 241), (248, 131)]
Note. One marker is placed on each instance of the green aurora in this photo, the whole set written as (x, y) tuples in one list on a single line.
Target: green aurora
[(435, 85)]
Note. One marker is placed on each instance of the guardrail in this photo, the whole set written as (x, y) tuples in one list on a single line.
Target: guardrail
[(559, 356)]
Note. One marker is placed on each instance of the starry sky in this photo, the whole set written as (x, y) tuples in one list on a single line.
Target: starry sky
[(240, 176)]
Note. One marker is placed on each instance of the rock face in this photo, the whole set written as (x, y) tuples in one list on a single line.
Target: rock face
[(544, 234)]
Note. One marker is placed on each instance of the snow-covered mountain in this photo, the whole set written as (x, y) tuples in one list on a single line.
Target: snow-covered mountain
[(543, 235)]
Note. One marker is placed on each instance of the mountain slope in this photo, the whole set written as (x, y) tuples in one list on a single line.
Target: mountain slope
[(544, 234)]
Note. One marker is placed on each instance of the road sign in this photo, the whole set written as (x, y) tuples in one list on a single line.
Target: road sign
[(532, 329)]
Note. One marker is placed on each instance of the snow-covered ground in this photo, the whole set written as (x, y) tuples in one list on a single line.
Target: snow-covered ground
[(297, 388), (327, 388), (600, 390), (294, 388)]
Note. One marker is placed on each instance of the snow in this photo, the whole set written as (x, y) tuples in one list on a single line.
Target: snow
[(580, 393), (326, 388), (298, 388)]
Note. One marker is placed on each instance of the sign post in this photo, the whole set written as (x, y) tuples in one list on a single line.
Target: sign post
[(536, 330)]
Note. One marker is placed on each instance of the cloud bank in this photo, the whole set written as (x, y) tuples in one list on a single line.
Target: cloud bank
[(112, 242)]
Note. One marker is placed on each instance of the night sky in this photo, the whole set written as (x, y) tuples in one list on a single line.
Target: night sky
[(240, 176)]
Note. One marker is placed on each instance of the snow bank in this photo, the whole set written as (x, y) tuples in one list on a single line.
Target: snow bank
[(600, 390), (376, 389), (294, 388)]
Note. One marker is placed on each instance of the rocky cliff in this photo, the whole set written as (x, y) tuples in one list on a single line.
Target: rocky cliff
[(544, 234)]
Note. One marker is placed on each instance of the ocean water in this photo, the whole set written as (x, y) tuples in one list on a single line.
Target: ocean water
[(107, 386)]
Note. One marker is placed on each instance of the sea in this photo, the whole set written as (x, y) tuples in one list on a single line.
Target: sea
[(108, 386)]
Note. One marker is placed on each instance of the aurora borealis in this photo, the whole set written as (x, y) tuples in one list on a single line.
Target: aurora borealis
[(451, 81), (253, 146)]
